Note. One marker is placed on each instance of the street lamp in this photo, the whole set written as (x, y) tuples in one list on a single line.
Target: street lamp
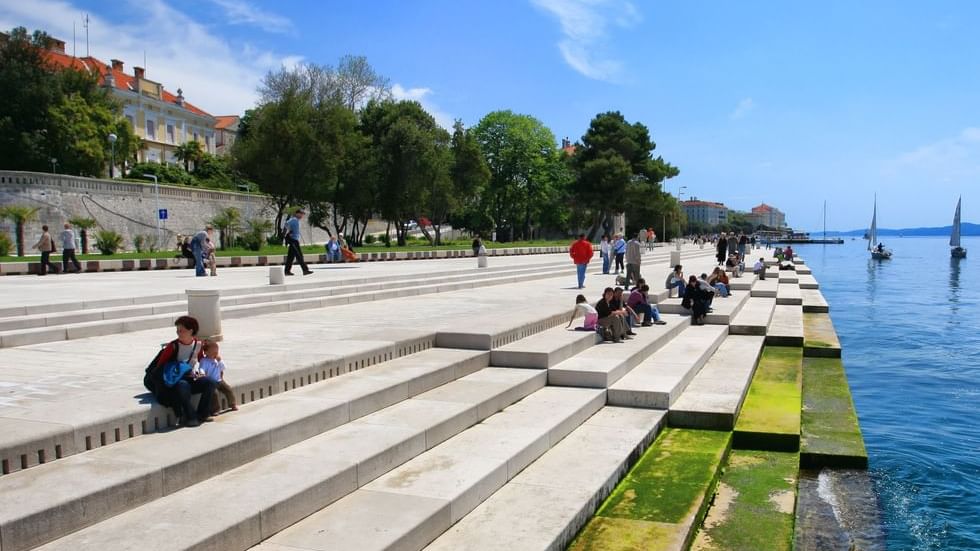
[(156, 190), (112, 158), (54, 165)]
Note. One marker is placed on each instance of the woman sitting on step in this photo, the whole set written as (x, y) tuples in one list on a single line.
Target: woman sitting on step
[(719, 280), (611, 321), (174, 376), (696, 300), (587, 311)]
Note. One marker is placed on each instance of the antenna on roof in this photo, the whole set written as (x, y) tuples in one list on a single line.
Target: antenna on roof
[(86, 35), (74, 40)]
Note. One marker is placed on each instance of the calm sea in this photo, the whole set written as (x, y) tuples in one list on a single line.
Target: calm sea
[(910, 332)]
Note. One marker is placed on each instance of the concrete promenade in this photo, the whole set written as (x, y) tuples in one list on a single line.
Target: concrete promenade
[(427, 398)]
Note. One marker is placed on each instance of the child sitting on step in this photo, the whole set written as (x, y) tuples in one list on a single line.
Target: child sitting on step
[(214, 369), (587, 310)]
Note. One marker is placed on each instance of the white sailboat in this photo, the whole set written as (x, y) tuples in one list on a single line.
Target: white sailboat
[(878, 251), (954, 237)]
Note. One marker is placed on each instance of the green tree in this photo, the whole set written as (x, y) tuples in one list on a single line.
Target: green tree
[(189, 152), (20, 215), (227, 221), (83, 224), (521, 155), (470, 177)]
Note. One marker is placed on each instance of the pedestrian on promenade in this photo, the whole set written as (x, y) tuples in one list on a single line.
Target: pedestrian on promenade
[(68, 249), (743, 242), (46, 245), (732, 244), (477, 243), (651, 238), (752, 240), (209, 260), (634, 255), (605, 247), (199, 245), (293, 250), (722, 249), (619, 247), (175, 376), (581, 253)]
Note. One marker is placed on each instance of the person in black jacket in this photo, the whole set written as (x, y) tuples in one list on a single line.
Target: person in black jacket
[(722, 249), (696, 299), (609, 318)]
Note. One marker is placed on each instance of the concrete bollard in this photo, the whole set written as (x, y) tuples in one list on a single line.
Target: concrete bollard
[(204, 306), (277, 275), (677, 244), (675, 258), (481, 261)]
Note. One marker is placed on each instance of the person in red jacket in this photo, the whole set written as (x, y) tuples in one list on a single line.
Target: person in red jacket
[(581, 253)]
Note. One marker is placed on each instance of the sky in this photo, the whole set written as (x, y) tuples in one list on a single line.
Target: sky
[(788, 103)]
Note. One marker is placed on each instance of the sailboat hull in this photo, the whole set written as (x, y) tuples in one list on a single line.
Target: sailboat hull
[(958, 252), (886, 255)]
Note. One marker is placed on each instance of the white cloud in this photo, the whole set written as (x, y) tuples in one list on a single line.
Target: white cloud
[(244, 13), (950, 159), (742, 109), (422, 95), (585, 25), (180, 51)]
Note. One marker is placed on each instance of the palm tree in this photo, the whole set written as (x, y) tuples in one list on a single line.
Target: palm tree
[(226, 222), (19, 215), (83, 225), (188, 152)]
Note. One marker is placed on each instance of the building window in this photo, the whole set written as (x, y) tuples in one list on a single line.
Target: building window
[(207, 142), (131, 121), (196, 137), (151, 129), (171, 133)]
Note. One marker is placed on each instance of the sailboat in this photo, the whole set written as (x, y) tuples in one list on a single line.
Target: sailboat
[(954, 238), (878, 251)]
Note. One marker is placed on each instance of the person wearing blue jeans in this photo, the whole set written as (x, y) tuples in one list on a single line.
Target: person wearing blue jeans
[(639, 302), (197, 247), (676, 279), (604, 248), (619, 247), (581, 253)]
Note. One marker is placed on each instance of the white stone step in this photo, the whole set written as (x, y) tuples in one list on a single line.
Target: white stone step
[(545, 349), (742, 283), (786, 327), (789, 293), (603, 365), (723, 309), (272, 492), (813, 301), (803, 269), (807, 281), (754, 317), (765, 287), (660, 379), (788, 276), (548, 503), (86, 488), (413, 504), (714, 397)]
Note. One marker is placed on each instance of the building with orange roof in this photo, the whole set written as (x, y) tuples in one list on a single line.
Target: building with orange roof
[(226, 132), (162, 119), (568, 147), (766, 215), (705, 212)]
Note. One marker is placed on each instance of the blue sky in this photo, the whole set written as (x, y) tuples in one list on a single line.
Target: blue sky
[(783, 102)]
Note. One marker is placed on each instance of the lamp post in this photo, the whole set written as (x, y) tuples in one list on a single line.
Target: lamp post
[(112, 155), (54, 165), (156, 190)]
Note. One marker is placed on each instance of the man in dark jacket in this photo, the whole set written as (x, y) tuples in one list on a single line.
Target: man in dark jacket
[(722, 249)]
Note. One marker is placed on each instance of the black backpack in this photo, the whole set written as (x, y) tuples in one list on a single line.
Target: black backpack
[(152, 376)]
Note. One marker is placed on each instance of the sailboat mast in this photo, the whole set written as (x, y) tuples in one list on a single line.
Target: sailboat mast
[(825, 221)]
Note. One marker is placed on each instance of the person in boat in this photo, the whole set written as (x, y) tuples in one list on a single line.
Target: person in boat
[(880, 248)]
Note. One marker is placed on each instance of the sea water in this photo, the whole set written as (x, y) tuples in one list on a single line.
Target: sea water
[(910, 332)]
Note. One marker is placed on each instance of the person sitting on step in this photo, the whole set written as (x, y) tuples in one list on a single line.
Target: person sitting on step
[(639, 301), (614, 327), (675, 280), (719, 280), (175, 376), (619, 304), (760, 268), (587, 311), (214, 369), (696, 300)]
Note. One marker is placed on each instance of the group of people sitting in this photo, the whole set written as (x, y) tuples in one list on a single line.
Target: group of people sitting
[(617, 312)]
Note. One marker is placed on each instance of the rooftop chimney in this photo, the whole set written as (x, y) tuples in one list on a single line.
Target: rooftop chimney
[(117, 65), (57, 45), (180, 97), (139, 72), (110, 81)]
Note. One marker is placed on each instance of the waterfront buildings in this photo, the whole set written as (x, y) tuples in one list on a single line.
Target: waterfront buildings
[(162, 119), (226, 132), (766, 215), (705, 212)]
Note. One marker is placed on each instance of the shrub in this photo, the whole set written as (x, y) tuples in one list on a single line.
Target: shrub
[(165, 173), (5, 244), (368, 239), (144, 243), (108, 242)]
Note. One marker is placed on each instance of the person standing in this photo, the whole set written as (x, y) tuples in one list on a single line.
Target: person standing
[(722, 250), (199, 247), (619, 246), (743, 243), (68, 249), (604, 249), (634, 255), (293, 251), (732, 244), (581, 253), (46, 246)]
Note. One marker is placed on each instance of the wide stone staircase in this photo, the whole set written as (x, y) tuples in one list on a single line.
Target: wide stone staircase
[(492, 434)]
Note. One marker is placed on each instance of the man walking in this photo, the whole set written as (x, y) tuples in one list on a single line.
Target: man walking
[(46, 246), (68, 249), (634, 254), (293, 251), (619, 247), (198, 246), (581, 253)]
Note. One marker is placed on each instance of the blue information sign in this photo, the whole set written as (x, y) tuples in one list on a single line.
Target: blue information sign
[(162, 214)]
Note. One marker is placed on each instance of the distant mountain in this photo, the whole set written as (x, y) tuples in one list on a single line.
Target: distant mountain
[(966, 229)]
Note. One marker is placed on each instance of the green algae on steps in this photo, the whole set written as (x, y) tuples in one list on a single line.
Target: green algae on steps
[(831, 434), (659, 502), (819, 337), (754, 505), (770, 416)]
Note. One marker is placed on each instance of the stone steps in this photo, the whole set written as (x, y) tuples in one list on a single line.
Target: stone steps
[(660, 379), (544, 506), (545, 350), (786, 326), (765, 287), (789, 293), (754, 317), (601, 366), (714, 397), (807, 281), (271, 492), (413, 504), (724, 309), (139, 470), (813, 301)]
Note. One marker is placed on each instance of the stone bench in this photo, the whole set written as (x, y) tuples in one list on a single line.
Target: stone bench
[(754, 317), (765, 287), (789, 293), (786, 326), (813, 301), (545, 349)]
